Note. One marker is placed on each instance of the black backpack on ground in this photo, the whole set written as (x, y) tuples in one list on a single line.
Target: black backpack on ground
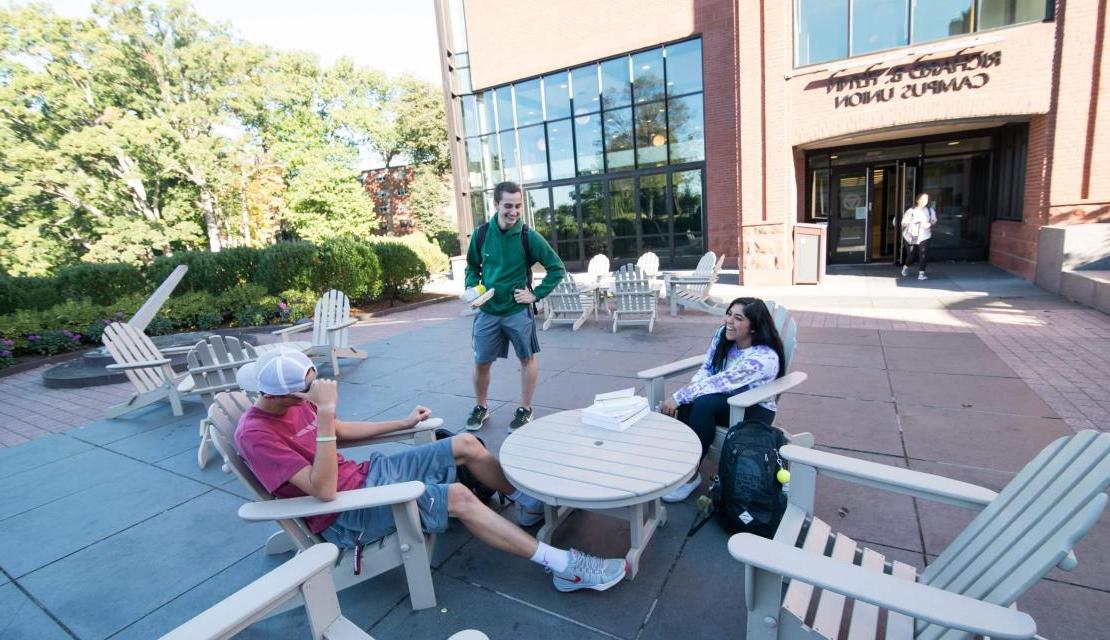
[(464, 475), (745, 495)]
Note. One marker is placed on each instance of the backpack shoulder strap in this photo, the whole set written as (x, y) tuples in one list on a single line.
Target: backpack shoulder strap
[(524, 241), (482, 230)]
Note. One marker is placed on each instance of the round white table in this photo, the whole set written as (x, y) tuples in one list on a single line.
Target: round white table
[(623, 474)]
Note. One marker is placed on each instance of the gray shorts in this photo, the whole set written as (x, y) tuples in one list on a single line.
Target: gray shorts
[(491, 336), (433, 464)]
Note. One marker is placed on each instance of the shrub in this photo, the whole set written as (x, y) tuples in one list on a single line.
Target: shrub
[(448, 242), (403, 273), (238, 297), (51, 341), (294, 305), (349, 265), (27, 292), (430, 254), (159, 326), (101, 283), (7, 357), (211, 272), (287, 265), (184, 311)]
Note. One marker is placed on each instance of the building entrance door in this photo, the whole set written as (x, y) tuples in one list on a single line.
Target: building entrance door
[(868, 201)]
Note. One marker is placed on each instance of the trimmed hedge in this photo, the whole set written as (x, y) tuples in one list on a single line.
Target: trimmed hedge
[(100, 283), (28, 292), (211, 272), (404, 274)]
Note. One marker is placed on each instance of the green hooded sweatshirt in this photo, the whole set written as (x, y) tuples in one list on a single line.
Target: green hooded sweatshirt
[(501, 266)]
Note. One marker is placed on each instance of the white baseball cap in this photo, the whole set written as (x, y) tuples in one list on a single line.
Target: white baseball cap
[(278, 372)]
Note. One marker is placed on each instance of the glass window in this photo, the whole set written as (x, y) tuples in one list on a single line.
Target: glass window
[(819, 196), (556, 95), (687, 133), (619, 154), (591, 198), (647, 75), (478, 211), (533, 153), (470, 115), (566, 223), (587, 136), (492, 154), (684, 67), (510, 159), (616, 86), (879, 24), (625, 250), (653, 205), (486, 115), (940, 18), (622, 208), (504, 108), (560, 149), (529, 102), (954, 185), (474, 162), (585, 94), (958, 146), (538, 202), (686, 193), (999, 13), (822, 31), (651, 134), (462, 81)]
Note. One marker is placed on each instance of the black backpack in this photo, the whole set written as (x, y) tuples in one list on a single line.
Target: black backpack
[(484, 229), (745, 494)]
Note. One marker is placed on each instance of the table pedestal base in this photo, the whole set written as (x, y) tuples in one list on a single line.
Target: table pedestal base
[(643, 519)]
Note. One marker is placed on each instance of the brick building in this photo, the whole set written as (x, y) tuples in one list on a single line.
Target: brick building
[(684, 126), (389, 191)]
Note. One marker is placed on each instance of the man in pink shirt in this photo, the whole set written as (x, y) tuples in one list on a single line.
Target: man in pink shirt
[(289, 439)]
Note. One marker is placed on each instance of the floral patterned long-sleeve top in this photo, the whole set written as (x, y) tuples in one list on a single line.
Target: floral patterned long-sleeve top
[(744, 369)]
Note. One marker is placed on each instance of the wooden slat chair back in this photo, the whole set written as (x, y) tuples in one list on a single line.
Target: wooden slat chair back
[(212, 364), (329, 330), (634, 297), (1029, 528), (787, 329), (567, 305), (597, 268), (648, 264), (399, 548), (1018, 536), (693, 291), (146, 367)]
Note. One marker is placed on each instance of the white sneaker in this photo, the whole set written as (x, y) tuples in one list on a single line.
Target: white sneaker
[(921, 275), (684, 491), (905, 271)]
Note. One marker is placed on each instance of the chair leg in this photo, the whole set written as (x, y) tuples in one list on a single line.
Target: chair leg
[(205, 440), (279, 542), (763, 599), (414, 555), (334, 362), (175, 402)]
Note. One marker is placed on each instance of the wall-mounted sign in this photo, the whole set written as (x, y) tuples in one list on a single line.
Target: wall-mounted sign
[(920, 79)]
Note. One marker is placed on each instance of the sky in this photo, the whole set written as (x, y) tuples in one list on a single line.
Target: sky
[(396, 36)]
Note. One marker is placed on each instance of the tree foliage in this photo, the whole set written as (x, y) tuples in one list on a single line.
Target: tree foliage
[(144, 130)]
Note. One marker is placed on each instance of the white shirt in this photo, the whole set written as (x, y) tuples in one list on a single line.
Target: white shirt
[(917, 224)]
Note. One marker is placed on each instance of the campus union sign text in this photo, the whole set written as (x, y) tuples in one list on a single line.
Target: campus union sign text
[(913, 80)]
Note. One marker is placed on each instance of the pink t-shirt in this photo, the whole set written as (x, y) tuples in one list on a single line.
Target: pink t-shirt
[(277, 447)]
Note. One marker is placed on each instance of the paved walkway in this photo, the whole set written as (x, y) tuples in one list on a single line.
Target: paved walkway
[(109, 529)]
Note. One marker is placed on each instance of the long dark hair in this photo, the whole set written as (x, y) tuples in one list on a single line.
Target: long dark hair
[(763, 332)]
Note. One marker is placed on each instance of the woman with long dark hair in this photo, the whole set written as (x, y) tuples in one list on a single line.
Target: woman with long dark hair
[(745, 353)]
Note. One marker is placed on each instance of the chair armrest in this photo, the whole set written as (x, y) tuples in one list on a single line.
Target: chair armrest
[(896, 594), (297, 328), (894, 479), (146, 364), (677, 366), (287, 508), (342, 325), (401, 434), (768, 391), (246, 605), (173, 351)]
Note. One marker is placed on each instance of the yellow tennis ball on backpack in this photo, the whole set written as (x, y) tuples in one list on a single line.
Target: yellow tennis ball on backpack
[(481, 288), (783, 476)]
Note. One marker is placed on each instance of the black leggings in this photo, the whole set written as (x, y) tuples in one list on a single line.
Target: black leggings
[(922, 250), (710, 411)]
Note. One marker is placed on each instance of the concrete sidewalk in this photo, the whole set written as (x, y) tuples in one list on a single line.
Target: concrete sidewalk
[(110, 529)]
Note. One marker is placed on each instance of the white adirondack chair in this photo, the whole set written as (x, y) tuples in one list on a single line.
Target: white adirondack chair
[(634, 297), (146, 367), (597, 268), (309, 576), (1019, 535), (329, 330), (212, 364), (692, 291), (409, 546), (648, 264), (655, 379), (567, 305)]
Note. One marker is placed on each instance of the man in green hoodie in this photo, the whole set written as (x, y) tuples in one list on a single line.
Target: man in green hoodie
[(499, 263)]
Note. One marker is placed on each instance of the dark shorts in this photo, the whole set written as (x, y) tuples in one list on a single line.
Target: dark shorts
[(433, 464), (492, 334)]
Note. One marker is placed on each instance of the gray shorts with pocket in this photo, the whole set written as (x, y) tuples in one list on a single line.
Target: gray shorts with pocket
[(433, 464), (492, 334)]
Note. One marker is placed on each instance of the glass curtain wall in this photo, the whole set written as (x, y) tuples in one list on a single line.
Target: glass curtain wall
[(827, 30), (611, 154)]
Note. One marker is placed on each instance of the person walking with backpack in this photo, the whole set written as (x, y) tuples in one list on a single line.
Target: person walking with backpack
[(500, 257), (917, 229), (745, 353)]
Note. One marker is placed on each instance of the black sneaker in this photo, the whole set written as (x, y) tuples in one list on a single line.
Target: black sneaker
[(522, 417), (477, 416)]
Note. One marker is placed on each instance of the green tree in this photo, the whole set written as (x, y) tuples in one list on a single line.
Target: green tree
[(429, 193)]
